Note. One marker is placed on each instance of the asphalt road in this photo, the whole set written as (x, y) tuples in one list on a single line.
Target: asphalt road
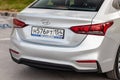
[(9, 70)]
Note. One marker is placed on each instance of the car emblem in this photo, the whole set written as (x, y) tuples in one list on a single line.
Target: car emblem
[(45, 21)]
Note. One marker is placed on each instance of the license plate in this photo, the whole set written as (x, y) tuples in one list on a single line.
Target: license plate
[(48, 32)]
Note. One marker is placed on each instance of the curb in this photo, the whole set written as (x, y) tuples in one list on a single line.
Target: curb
[(8, 14)]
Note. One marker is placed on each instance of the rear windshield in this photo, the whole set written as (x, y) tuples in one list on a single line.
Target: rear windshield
[(81, 5)]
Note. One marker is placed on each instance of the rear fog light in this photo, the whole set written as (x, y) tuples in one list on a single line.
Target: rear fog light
[(86, 61), (13, 51)]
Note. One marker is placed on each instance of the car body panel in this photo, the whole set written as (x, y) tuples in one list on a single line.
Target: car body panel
[(74, 46), (57, 19)]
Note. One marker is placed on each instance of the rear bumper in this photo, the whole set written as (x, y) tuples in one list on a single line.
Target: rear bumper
[(96, 48), (46, 65)]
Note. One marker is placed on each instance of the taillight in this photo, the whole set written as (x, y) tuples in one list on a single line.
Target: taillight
[(18, 24), (94, 29)]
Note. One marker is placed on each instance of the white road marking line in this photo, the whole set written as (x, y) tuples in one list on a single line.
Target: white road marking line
[(5, 39)]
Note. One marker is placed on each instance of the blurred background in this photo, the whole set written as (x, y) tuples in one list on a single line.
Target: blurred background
[(14, 5)]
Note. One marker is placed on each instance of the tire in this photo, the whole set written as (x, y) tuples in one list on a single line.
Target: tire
[(115, 73)]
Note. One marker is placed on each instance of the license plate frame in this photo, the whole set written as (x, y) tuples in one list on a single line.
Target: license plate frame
[(46, 32)]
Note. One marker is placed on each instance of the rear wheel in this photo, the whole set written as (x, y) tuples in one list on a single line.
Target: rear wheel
[(115, 73)]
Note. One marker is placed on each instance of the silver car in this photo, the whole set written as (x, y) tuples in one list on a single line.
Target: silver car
[(80, 35)]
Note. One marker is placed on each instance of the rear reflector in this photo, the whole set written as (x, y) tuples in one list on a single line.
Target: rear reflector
[(13, 51), (18, 23), (94, 29), (86, 61)]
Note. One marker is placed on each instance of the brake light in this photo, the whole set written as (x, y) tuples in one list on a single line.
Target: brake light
[(94, 29), (18, 23)]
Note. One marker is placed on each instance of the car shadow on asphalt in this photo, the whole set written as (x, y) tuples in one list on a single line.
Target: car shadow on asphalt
[(47, 74)]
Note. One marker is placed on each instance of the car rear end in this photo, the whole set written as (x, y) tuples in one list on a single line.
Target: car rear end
[(60, 36)]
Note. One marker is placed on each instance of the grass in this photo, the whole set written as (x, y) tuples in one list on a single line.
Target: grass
[(14, 5)]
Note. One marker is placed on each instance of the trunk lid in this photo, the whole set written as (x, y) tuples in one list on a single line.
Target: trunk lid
[(54, 19)]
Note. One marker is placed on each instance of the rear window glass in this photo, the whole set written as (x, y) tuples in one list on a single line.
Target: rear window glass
[(81, 5)]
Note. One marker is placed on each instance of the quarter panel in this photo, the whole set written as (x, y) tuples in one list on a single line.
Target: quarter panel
[(111, 41)]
